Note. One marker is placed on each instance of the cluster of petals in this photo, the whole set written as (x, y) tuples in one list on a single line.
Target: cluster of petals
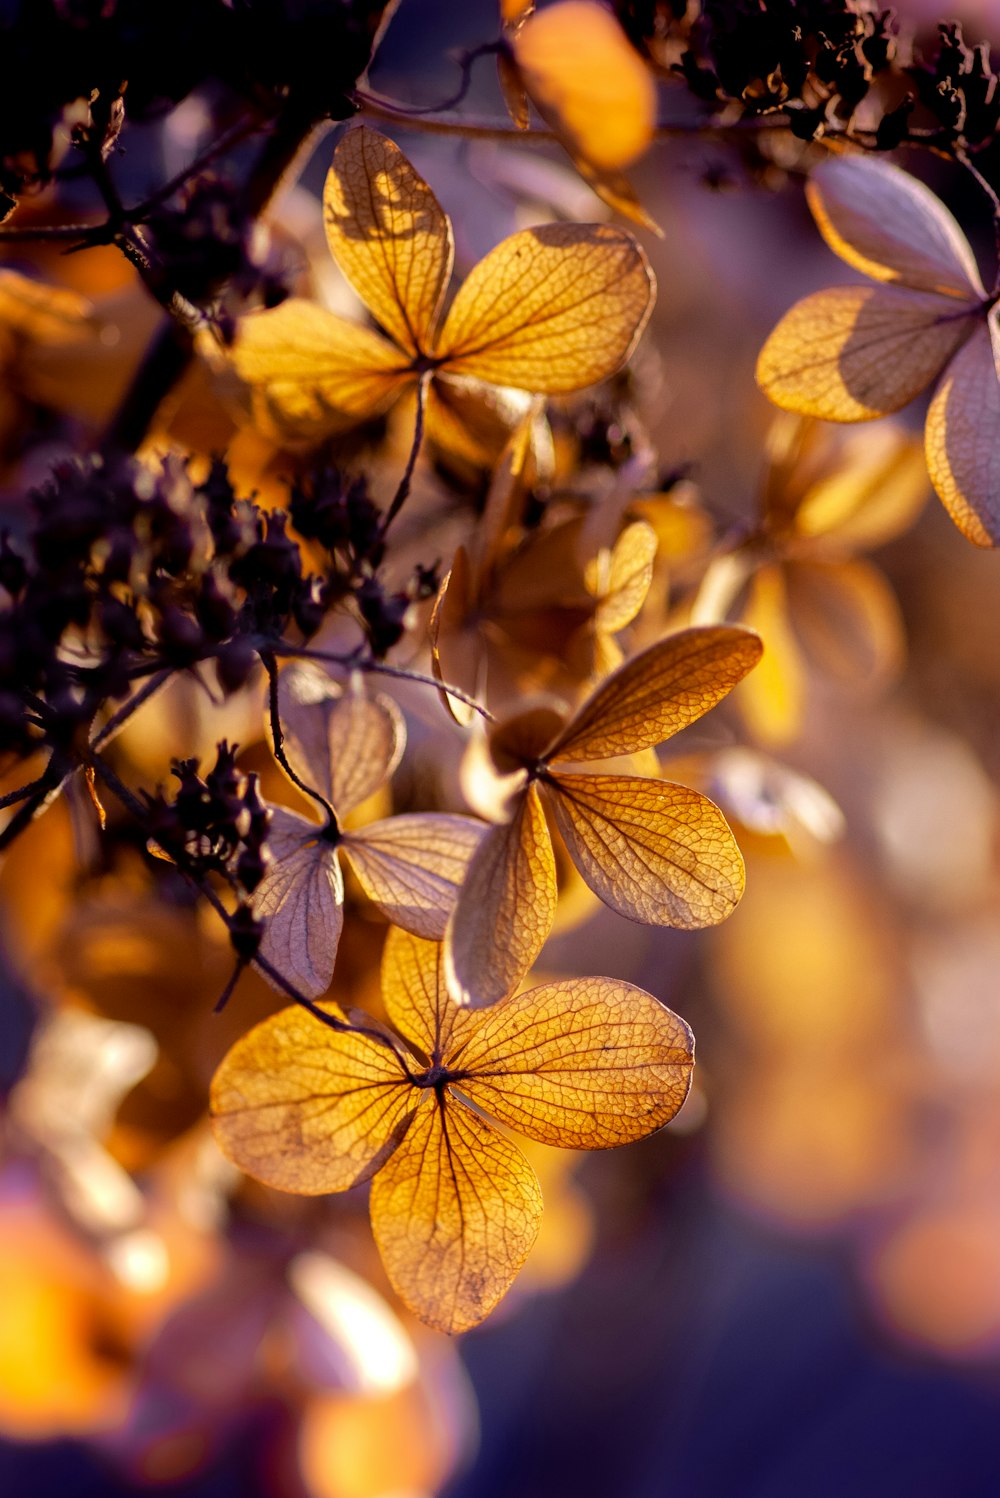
[(852, 353), (655, 852), (586, 1063), (345, 745), (550, 310)]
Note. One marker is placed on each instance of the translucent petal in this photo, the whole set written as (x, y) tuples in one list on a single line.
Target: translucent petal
[(657, 693), (855, 352), (411, 866), (962, 438), (389, 235), (343, 743), (314, 373), (551, 309), (506, 908), (654, 851), (416, 997), (889, 225), (302, 898), (586, 1064), (626, 578), (306, 1108), (586, 80), (455, 1211)]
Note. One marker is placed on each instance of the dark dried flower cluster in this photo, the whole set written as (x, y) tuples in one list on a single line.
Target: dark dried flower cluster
[(817, 60), (961, 90), (215, 825), (74, 69), (129, 570), (337, 512)]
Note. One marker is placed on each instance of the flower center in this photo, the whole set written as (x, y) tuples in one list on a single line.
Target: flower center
[(434, 1076)]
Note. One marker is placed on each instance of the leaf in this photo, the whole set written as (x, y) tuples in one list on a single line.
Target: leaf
[(877, 487), (411, 866), (591, 86), (653, 851), (585, 1064), (302, 898), (587, 82), (855, 352), (315, 373), (551, 309), (308, 1109), (389, 235), (505, 909), (890, 226), (962, 438), (657, 693), (416, 997), (622, 582), (772, 699), (454, 1211), (342, 743)]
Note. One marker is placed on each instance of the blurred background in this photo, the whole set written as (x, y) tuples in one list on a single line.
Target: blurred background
[(791, 1292)]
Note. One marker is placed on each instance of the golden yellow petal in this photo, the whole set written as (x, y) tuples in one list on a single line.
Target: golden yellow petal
[(302, 899), (513, 13), (411, 866), (586, 1064), (654, 851), (314, 373), (416, 997), (889, 225), (962, 438), (343, 743), (551, 309), (455, 1211), (389, 235), (623, 582), (875, 491), (658, 692), (505, 909), (588, 82), (306, 1108), (772, 699), (855, 352)]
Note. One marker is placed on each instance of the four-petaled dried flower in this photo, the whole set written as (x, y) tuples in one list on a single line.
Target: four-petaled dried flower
[(856, 352), (344, 746), (654, 851), (550, 310), (586, 1063)]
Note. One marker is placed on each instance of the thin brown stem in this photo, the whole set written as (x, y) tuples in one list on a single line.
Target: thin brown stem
[(380, 668), (986, 187), (400, 496), (278, 739), (134, 806)]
